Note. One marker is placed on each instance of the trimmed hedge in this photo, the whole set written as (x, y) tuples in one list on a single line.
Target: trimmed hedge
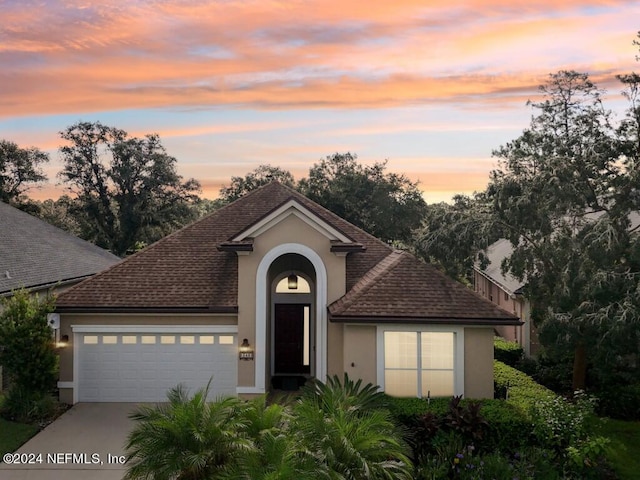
[(406, 410), (510, 426), (521, 389), (507, 352), (509, 429)]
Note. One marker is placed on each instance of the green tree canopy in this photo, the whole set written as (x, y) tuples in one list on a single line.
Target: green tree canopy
[(127, 188), (566, 194), (384, 204), (562, 196), (262, 175), (451, 235), (20, 169)]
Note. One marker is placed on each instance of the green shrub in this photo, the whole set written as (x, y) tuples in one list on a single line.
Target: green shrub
[(507, 352), (522, 390), (555, 371), (23, 405), (465, 419), (503, 425), (406, 410), (529, 366), (509, 430), (456, 461), (587, 458), (333, 430), (559, 423), (346, 425), (28, 354)]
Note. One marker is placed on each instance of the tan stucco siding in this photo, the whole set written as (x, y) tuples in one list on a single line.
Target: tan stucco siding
[(478, 362), (66, 395), (289, 230), (335, 346), (360, 353), (294, 230)]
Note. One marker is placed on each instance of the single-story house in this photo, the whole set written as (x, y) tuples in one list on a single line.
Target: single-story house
[(41, 258), (265, 293)]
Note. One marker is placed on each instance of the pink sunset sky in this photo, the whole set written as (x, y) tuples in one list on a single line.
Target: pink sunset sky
[(432, 86)]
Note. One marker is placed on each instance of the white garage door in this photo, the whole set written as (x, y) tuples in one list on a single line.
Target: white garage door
[(142, 367)]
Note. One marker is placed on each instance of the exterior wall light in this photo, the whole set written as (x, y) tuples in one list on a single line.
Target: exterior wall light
[(246, 350), (63, 342), (292, 282)]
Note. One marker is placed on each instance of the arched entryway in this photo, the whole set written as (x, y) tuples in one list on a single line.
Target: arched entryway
[(291, 328), (291, 321)]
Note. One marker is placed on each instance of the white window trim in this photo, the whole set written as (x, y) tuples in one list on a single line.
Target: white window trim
[(262, 307), (458, 358)]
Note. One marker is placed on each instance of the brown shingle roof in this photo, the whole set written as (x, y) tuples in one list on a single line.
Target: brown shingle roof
[(403, 288), (185, 271), (188, 272)]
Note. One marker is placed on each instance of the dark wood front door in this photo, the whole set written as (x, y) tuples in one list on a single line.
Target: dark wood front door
[(288, 342)]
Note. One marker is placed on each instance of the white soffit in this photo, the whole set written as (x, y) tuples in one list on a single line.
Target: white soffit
[(292, 208)]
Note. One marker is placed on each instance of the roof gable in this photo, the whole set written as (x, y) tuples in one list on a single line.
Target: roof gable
[(292, 207)]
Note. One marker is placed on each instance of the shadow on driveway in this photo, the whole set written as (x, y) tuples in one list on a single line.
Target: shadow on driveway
[(86, 442)]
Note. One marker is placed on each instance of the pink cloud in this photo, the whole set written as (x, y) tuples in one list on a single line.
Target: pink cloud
[(83, 56)]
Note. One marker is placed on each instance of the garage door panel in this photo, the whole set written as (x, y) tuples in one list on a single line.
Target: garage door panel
[(143, 367)]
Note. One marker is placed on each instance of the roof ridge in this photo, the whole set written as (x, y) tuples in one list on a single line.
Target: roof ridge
[(369, 279), (171, 235)]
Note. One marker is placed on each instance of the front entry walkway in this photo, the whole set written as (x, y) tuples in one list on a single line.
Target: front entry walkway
[(86, 442)]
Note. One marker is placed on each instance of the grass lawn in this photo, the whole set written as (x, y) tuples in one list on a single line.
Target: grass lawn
[(12, 435), (626, 461)]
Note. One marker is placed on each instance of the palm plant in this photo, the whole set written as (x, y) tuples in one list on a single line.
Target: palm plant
[(342, 426), (343, 394), (188, 438), (277, 454), (335, 431)]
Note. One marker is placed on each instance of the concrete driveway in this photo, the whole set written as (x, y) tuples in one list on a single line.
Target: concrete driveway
[(87, 442)]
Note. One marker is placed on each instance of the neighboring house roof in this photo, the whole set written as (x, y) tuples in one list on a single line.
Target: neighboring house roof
[(495, 254), (195, 269), (503, 248), (35, 254)]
